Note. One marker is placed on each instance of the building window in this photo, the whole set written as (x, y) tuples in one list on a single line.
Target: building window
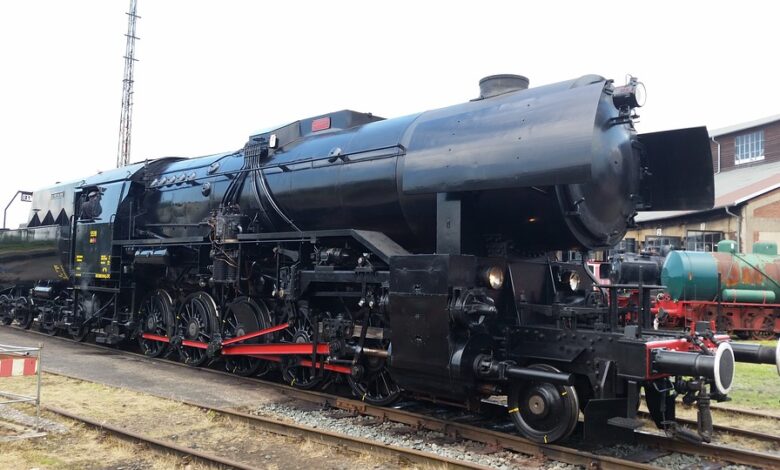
[(699, 240), (749, 147), (657, 243)]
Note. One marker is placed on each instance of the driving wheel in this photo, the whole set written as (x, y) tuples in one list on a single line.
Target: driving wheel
[(295, 374), (196, 321), (244, 316), (155, 316)]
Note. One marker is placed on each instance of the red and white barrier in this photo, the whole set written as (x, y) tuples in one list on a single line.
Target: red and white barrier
[(14, 366)]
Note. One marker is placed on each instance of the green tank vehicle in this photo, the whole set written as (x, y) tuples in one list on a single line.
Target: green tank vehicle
[(744, 277)]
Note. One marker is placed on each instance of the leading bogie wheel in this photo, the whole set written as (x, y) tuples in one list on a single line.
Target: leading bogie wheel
[(196, 321), (541, 411), (155, 316)]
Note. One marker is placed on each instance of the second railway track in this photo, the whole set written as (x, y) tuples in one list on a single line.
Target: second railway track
[(489, 437)]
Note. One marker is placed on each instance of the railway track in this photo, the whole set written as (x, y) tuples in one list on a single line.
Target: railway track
[(406, 456), (490, 437), (771, 438), (159, 444)]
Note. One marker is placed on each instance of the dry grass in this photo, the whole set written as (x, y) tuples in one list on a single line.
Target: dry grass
[(84, 448), (163, 419)]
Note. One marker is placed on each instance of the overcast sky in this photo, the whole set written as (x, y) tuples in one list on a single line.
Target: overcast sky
[(211, 73)]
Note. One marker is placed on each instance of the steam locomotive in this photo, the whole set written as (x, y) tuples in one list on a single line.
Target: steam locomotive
[(399, 256)]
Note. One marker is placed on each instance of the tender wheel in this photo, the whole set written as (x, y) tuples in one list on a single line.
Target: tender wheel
[(47, 322), (23, 313), (196, 321), (6, 312), (156, 317), (88, 307), (300, 331), (660, 399), (6, 309), (541, 411), (243, 316)]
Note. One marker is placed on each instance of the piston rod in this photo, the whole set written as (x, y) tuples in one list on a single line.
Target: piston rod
[(485, 366)]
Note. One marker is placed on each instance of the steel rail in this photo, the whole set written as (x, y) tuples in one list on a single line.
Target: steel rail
[(461, 431), (775, 438), (715, 451), (482, 435), (402, 454), (159, 444)]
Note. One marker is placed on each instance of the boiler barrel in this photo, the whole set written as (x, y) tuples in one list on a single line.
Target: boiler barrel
[(538, 169), (541, 167)]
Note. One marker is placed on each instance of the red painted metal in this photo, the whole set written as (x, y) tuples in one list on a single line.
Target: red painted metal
[(677, 344), (284, 349), (165, 339), (307, 363), (266, 331), (320, 124), (331, 367), (740, 316), (152, 337)]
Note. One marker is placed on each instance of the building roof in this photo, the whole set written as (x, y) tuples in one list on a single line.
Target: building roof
[(731, 188), (744, 125)]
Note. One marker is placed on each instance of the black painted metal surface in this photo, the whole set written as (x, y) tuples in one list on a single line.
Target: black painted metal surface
[(553, 167)]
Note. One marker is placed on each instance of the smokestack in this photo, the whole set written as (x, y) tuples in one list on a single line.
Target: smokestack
[(495, 85)]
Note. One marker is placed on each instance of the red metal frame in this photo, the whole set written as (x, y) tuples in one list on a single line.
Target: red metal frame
[(744, 315)]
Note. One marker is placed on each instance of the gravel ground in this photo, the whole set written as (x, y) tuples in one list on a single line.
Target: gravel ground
[(672, 460), (401, 435)]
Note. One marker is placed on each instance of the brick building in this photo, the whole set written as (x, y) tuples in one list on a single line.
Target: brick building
[(746, 162)]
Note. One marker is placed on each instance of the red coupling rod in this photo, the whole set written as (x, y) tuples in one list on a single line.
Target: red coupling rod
[(266, 331)]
